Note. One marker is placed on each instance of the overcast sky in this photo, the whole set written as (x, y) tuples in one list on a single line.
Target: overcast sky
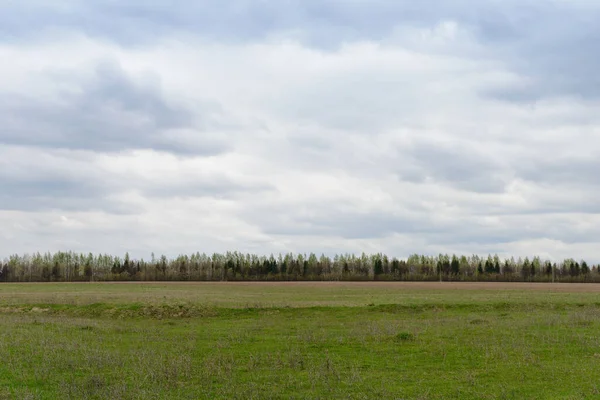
[(400, 126)]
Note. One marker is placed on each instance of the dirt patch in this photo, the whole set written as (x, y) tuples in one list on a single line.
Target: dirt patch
[(529, 286), (521, 286)]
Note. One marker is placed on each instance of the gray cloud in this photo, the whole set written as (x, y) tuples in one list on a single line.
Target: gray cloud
[(218, 187), (565, 171), (459, 166), (467, 229), (94, 190), (339, 219), (323, 23), (110, 112), (57, 192), (535, 38), (544, 47)]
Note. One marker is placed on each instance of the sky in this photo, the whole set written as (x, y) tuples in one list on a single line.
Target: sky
[(275, 126)]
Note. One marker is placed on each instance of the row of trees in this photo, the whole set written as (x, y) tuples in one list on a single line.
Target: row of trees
[(69, 266)]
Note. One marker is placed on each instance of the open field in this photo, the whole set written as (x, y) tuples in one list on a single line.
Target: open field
[(300, 340), (296, 294)]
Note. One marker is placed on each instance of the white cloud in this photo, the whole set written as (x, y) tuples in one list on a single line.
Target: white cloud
[(392, 145)]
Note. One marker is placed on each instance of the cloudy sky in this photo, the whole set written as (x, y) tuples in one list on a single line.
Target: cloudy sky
[(401, 126)]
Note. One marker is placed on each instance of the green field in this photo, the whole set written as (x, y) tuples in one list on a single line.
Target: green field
[(301, 341)]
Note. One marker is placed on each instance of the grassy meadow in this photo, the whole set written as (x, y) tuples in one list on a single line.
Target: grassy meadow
[(299, 341)]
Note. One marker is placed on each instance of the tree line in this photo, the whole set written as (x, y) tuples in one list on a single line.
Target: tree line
[(236, 266)]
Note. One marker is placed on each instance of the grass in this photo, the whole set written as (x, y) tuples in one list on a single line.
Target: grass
[(207, 341)]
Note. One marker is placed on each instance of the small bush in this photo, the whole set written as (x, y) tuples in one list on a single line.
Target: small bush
[(405, 337)]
